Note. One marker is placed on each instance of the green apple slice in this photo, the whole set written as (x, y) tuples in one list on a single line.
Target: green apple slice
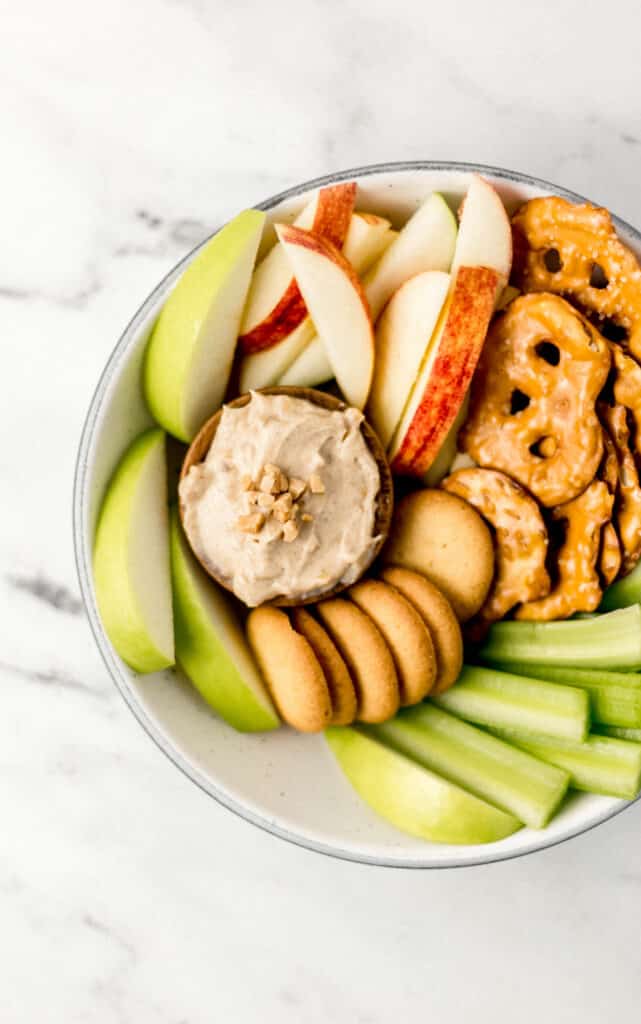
[(211, 646), (131, 558), (191, 349), (413, 798)]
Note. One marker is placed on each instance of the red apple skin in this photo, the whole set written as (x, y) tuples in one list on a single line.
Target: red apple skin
[(291, 235), (331, 221), (468, 315), (317, 243)]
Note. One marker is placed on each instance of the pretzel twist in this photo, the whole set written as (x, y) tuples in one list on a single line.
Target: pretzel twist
[(520, 539), (627, 514), (627, 389), (610, 555), (544, 353), (578, 588), (573, 250)]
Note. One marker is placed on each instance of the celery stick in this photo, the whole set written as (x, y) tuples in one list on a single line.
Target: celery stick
[(599, 764), (615, 697), (621, 732), (608, 641), (489, 697), (624, 592), (493, 770)]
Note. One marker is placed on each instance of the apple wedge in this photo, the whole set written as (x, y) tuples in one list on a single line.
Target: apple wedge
[(446, 371), (426, 242), (367, 237), (131, 558), (403, 333), (338, 307), (365, 242), (443, 463), (211, 646), (413, 798), (272, 311), (311, 368), (191, 349), (263, 369), (272, 274), (485, 234)]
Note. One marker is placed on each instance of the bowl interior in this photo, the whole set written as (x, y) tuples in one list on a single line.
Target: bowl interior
[(284, 782)]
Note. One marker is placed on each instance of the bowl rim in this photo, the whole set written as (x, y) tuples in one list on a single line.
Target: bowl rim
[(83, 555)]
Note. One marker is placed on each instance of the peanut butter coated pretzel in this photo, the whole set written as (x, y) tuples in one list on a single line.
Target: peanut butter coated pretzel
[(578, 588), (627, 388), (574, 250), (609, 468), (628, 497), (520, 539), (610, 557), (532, 410)]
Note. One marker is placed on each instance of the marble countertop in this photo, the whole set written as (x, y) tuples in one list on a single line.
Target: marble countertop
[(128, 132)]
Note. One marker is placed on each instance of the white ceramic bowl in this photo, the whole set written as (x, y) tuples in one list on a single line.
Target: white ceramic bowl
[(285, 783)]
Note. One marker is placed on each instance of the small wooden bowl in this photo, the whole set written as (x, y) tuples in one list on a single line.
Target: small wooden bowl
[(384, 500)]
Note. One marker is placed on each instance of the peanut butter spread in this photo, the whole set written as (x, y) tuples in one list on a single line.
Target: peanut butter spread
[(284, 503)]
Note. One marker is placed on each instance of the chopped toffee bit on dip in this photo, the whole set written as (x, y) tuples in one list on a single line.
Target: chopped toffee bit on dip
[(297, 488), (250, 523), (290, 531), (284, 503)]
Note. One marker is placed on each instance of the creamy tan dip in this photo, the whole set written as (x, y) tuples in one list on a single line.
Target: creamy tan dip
[(335, 528)]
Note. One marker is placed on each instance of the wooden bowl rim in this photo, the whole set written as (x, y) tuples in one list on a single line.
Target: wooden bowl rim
[(202, 442)]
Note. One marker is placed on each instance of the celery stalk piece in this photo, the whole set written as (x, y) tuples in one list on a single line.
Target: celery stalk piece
[(611, 641), (621, 732), (498, 699), (615, 697), (599, 764), (412, 798), (624, 592), (493, 770)]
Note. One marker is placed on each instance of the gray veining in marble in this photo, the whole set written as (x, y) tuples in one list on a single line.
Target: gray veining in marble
[(129, 130)]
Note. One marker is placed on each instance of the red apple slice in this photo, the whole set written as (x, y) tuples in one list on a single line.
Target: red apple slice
[(403, 334), (272, 313), (272, 273), (448, 452), (367, 237), (311, 369), (263, 369), (446, 371), (426, 242), (338, 307), (484, 235), (364, 243)]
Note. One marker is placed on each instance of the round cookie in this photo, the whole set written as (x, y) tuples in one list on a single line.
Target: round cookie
[(367, 656), (406, 634), (440, 619), (441, 536), (339, 681), (291, 670)]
